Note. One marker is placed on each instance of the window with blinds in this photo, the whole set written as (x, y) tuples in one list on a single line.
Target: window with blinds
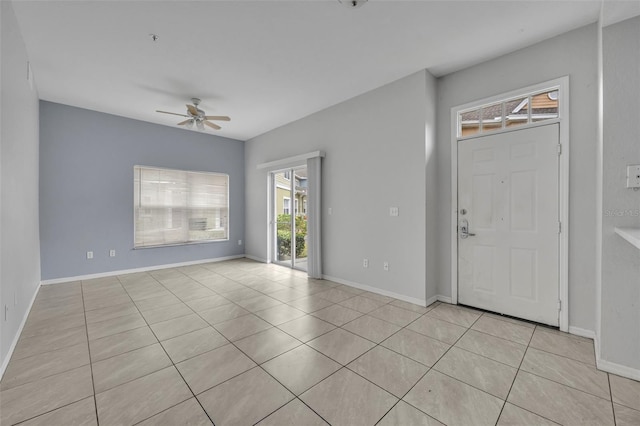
[(179, 207)]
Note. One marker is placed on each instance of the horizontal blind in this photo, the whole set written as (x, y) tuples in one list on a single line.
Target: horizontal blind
[(178, 206)]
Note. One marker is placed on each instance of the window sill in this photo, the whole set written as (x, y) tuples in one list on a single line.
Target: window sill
[(189, 243)]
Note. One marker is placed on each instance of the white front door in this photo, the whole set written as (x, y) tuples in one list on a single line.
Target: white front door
[(508, 197)]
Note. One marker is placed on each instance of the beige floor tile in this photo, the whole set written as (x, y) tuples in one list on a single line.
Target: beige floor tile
[(416, 346), (284, 294), (52, 302), (310, 304), (101, 329), (267, 344), (241, 294), (40, 328), (564, 344), (625, 416), (559, 403), (295, 413), (222, 285), (280, 314), (238, 328), (455, 315), (347, 399), (498, 349), (100, 302), (206, 303), (142, 398), (410, 306), (195, 343), (335, 295), (81, 413), (300, 368), (452, 402), (178, 326), (223, 313), (50, 313), (337, 315), (505, 330), (245, 399), (404, 414), (567, 371), (44, 395), (483, 373), (157, 302), (36, 367), (214, 367), (166, 313), (625, 391), (398, 316), (128, 366), (516, 416), (371, 328), (437, 329), (258, 303), (186, 413), (117, 344), (377, 297), (389, 370), (110, 312), (147, 292), (49, 342), (187, 294), (361, 304), (341, 346)]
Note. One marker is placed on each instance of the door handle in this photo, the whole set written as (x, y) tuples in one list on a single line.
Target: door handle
[(464, 229)]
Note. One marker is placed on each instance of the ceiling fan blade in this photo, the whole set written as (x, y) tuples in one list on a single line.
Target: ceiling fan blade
[(172, 113), (192, 110), (213, 126), (217, 117), (182, 123)]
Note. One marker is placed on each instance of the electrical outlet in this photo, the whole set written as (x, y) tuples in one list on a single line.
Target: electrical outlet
[(112, 253), (393, 211), (385, 266), (365, 263), (239, 242), (89, 255), (633, 176)]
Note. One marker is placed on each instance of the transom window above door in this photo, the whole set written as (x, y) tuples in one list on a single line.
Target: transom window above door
[(508, 113)]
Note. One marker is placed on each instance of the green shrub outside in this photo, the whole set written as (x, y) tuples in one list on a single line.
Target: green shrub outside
[(284, 236)]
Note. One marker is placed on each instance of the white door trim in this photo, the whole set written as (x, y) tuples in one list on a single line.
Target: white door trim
[(562, 84)]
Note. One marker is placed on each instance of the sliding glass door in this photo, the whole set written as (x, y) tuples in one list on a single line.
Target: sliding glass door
[(290, 217)]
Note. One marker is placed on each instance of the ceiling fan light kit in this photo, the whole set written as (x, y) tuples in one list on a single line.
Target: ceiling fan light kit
[(352, 4), (197, 116)]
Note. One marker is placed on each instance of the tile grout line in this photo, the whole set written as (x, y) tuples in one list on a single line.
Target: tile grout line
[(613, 407), (93, 384), (173, 364)]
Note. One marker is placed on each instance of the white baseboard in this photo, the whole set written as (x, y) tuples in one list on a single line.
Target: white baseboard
[(144, 269), (430, 301), (256, 258), (376, 290), (5, 361), (618, 369), (589, 334), (445, 299)]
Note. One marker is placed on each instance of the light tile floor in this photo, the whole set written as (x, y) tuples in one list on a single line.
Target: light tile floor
[(241, 342)]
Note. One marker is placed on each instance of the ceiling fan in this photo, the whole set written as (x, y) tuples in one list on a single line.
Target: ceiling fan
[(196, 116)]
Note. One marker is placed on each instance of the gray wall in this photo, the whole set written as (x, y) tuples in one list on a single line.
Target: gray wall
[(375, 148), (20, 249), (620, 309), (86, 188), (574, 54)]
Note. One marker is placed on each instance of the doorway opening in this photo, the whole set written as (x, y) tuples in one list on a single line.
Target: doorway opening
[(289, 233)]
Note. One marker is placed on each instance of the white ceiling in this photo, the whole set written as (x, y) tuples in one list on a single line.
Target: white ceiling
[(267, 63)]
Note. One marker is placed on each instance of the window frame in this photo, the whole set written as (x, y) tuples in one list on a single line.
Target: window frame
[(188, 242)]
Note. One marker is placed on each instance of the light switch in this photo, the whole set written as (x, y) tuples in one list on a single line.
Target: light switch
[(633, 176)]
